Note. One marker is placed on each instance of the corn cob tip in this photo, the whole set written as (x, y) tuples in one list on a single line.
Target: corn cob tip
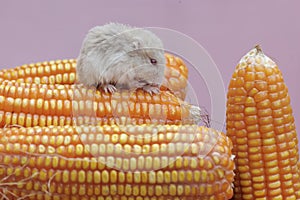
[(258, 49), (195, 114), (255, 57)]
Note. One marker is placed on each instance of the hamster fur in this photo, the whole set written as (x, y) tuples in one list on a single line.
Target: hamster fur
[(116, 56)]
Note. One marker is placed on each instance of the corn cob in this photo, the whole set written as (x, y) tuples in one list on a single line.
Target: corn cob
[(64, 72), (29, 105), (115, 162), (261, 126)]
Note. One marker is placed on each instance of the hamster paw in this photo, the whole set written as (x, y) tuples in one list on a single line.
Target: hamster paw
[(151, 89), (109, 88)]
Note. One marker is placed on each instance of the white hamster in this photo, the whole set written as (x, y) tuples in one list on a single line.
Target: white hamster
[(116, 56)]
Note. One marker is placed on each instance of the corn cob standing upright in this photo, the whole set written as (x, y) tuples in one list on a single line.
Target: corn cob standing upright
[(115, 162), (64, 72), (261, 126)]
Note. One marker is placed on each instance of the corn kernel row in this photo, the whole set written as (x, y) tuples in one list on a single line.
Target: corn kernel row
[(52, 72)]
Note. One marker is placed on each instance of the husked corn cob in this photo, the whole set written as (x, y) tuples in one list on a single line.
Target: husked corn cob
[(261, 126), (29, 105), (115, 162), (64, 72)]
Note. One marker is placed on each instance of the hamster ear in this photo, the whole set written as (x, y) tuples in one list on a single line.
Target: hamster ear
[(136, 44)]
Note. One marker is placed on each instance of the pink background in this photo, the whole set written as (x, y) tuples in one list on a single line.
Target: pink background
[(35, 30)]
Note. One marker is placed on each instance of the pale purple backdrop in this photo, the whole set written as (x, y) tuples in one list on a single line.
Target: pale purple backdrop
[(35, 30)]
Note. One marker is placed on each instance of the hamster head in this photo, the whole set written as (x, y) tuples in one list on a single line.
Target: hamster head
[(145, 55)]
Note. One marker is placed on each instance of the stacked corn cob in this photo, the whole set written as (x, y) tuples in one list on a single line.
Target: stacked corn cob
[(115, 162), (43, 105), (261, 126), (64, 72), (56, 154)]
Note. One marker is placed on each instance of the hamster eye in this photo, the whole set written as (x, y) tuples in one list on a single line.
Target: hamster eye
[(153, 61)]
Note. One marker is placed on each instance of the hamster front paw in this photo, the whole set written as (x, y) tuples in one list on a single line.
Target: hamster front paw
[(108, 88), (151, 89)]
